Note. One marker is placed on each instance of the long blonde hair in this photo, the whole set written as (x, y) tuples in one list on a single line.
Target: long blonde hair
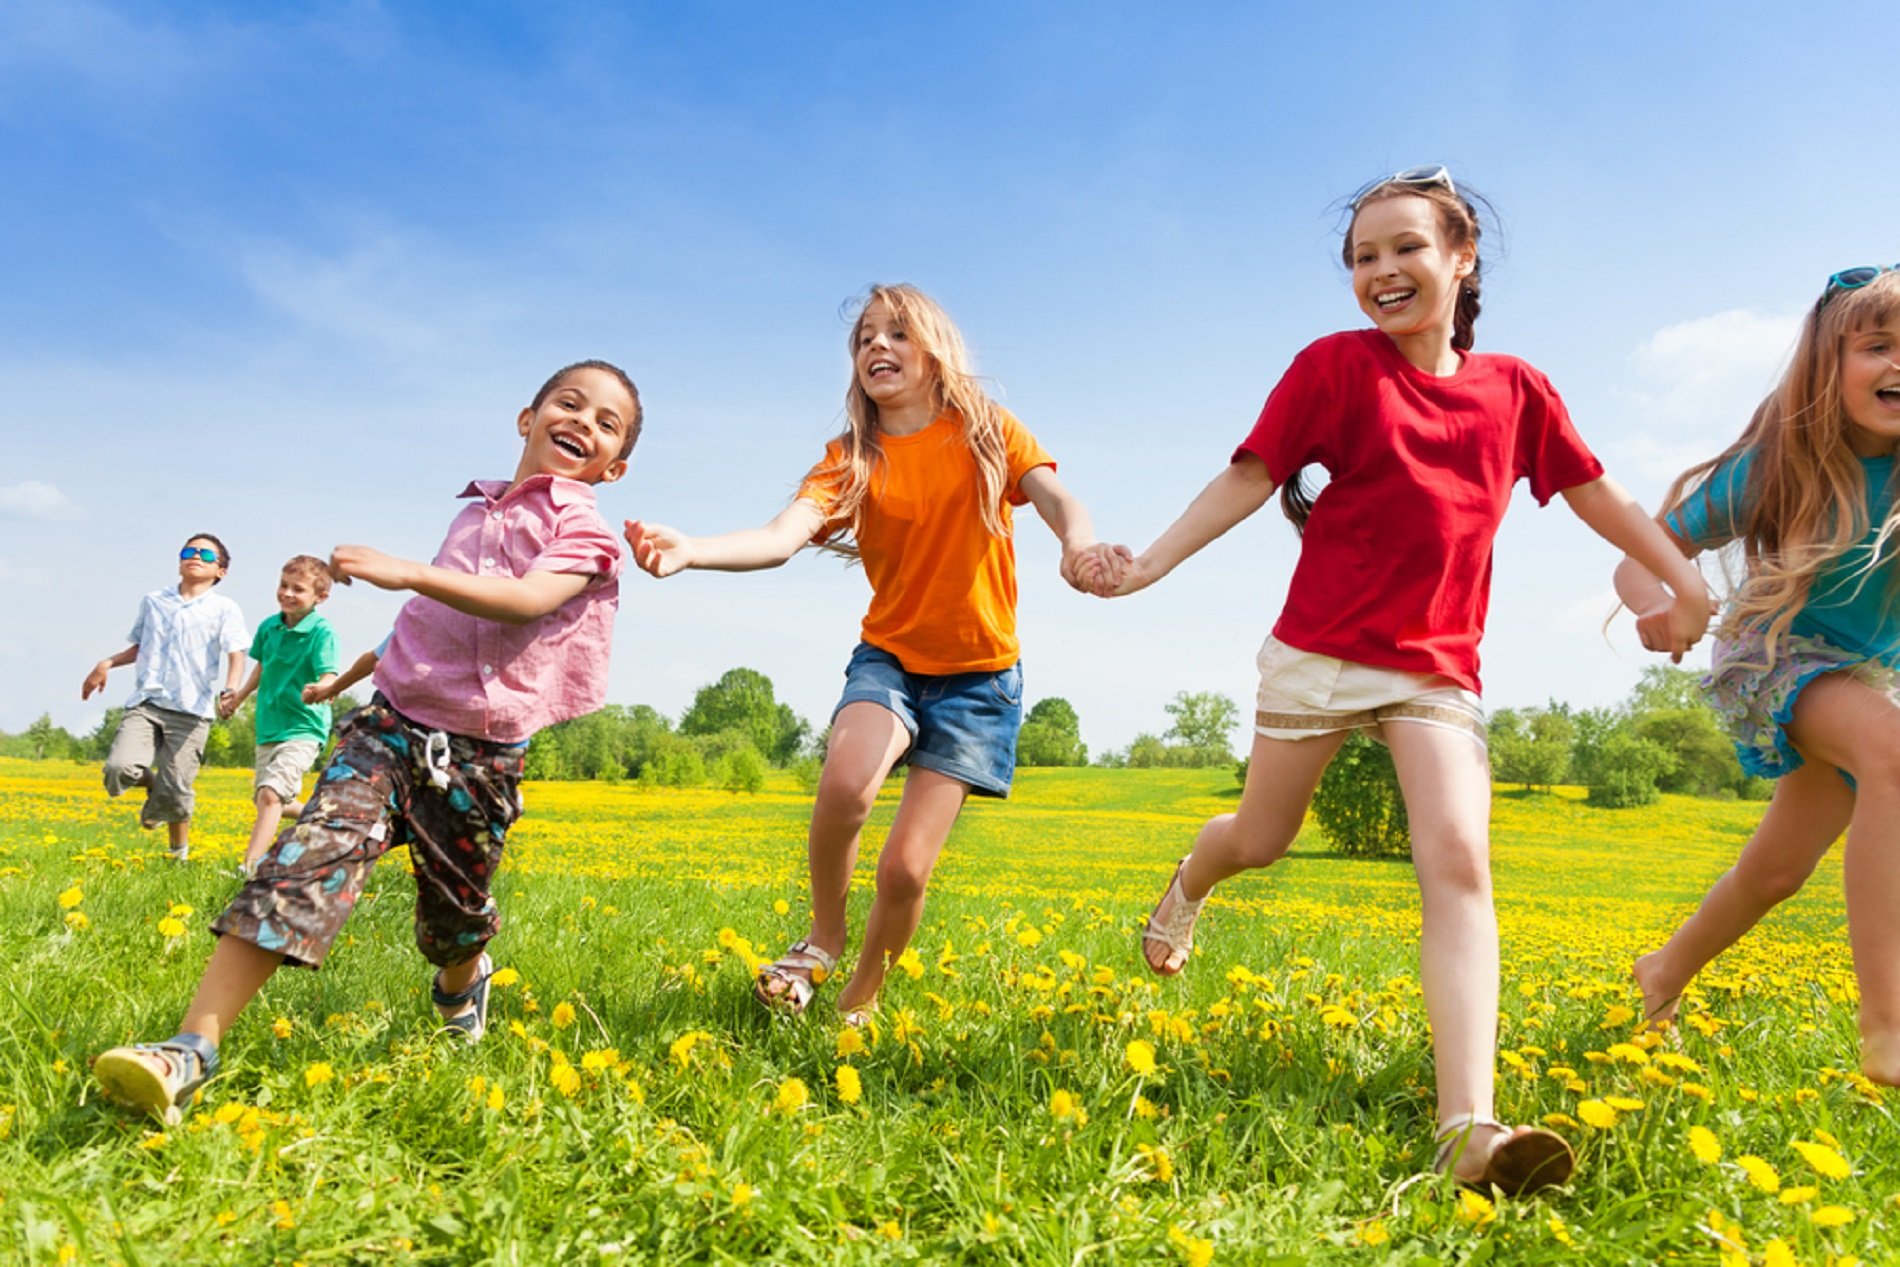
[(1805, 504), (957, 392)]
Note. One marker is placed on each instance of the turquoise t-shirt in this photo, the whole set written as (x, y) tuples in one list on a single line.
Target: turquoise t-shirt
[(292, 658), (1848, 605)]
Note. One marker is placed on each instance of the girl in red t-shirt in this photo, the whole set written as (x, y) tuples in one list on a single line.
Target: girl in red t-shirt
[(922, 481), (1423, 440)]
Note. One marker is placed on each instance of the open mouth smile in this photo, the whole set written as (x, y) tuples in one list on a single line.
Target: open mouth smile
[(1392, 300), (570, 446)]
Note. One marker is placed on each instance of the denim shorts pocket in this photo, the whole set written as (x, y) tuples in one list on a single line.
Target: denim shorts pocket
[(1008, 685)]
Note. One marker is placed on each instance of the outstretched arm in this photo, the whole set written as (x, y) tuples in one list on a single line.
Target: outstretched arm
[(661, 551), (1671, 619), (513, 600), (331, 685), (1228, 498), (96, 680), (1084, 566)]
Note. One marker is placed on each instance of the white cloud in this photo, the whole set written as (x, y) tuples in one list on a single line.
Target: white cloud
[(32, 499), (1697, 383)]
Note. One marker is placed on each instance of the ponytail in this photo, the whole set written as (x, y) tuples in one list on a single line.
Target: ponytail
[(1465, 316)]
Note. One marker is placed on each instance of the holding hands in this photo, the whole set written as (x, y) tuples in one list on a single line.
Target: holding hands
[(1100, 569), (657, 549)]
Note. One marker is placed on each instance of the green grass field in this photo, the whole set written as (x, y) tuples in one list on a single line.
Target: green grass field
[(1030, 1095)]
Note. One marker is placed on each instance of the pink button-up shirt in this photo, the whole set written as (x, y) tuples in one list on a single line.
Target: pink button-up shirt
[(496, 681)]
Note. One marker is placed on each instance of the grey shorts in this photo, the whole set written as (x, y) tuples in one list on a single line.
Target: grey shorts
[(168, 745)]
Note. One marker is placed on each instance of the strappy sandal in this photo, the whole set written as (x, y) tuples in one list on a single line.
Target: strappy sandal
[(465, 1011), (799, 972), (1523, 1161), (1659, 1023), (1176, 932), (158, 1078)]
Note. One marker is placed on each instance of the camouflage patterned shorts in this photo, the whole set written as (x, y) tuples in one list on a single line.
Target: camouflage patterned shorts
[(450, 798)]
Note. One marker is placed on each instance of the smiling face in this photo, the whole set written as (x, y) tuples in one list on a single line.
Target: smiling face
[(893, 371), (1405, 274), (297, 595), (1870, 387), (579, 430)]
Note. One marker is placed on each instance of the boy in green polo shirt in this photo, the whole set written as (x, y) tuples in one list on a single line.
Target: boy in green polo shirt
[(293, 649)]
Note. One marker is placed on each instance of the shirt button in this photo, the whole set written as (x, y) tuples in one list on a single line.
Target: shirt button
[(488, 563), (488, 670)]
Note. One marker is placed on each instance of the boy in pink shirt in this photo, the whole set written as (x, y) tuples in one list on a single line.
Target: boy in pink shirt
[(509, 632)]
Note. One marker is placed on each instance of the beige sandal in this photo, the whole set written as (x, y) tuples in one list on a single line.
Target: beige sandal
[(1176, 932), (799, 972)]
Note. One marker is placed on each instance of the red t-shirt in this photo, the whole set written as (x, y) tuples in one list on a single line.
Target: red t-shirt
[(1395, 566)]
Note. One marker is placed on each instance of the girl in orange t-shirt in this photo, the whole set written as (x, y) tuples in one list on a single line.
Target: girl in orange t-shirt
[(919, 487)]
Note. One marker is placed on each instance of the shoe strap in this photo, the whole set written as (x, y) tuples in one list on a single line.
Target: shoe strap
[(195, 1046)]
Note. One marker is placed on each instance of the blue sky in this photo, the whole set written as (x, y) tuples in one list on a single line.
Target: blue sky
[(286, 273)]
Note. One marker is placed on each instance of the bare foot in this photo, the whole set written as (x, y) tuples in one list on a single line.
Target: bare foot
[(1880, 1058), (857, 1009), (1661, 999)]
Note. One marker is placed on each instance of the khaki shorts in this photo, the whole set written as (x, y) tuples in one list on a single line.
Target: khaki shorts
[(281, 767), (1303, 694)]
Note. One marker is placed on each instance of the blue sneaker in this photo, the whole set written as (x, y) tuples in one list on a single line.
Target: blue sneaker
[(466, 1011)]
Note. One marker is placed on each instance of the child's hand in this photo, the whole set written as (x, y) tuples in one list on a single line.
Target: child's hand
[(657, 549), (1138, 576), (317, 693), (349, 563), (95, 681), (1672, 628), (1096, 569), (227, 704)]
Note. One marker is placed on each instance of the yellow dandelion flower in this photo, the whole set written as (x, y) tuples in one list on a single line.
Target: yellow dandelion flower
[(1703, 1143), (285, 1218), (890, 1231), (171, 927), (850, 1086), (603, 1058), (792, 1095), (1199, 1252), (1617, 1017), (850, 1042), (77, 920), (1062, 1105), (71, 897), (563, 1015), (566, 1079), (1777, 1254), (1597, 1114), (504, 976), (1374, 1233), (1141, 1057), (1623, 1104), (911, 964), (726, 937), (1832, 1216), (781, 907), (1475, 1208), (742, 1192), (496, 1099), (1798, 1196), (281, 1027), (228, 1113), (1628, 1054), (317, 1074), (1144, 1107), (1823, 1160), (1561, 1232), (1697, 1090), (183, 910), (1759, 1172), (1029, 937), (153, 1140)]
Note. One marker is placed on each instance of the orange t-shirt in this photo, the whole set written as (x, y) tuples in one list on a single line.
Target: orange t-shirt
[(943, 589)]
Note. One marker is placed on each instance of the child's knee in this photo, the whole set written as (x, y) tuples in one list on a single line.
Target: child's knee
[(902, 879)]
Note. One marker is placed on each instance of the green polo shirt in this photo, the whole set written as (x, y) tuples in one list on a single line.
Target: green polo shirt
[(292, 658)]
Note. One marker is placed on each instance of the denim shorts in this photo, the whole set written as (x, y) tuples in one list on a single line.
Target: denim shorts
[(962, 725)]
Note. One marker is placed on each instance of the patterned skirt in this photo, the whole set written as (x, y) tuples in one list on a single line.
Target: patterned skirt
[(1755, 700)]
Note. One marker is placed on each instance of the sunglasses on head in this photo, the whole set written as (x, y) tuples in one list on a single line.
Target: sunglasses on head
[(1853, 279), (200, 553), (1414, 178)]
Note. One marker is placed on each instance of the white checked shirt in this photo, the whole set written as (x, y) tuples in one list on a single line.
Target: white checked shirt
[(182, 646)]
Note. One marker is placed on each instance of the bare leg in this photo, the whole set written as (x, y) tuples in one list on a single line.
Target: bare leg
[(1849, 723), (1446, 780), (270, 812), (866, 741), (1281, 776), (237, 971), (1810, 810), (460, 976), (924, 819), (180, 838)]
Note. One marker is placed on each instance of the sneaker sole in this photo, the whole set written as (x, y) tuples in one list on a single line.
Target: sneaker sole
[(136, 1085)]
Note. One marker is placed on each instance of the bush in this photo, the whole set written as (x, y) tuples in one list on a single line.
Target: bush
[(673, 761), (1358, 805), (741, 770), (1628, 769)]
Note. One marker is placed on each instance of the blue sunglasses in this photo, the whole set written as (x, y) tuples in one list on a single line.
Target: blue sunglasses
[(1853, 279), (200, 553)]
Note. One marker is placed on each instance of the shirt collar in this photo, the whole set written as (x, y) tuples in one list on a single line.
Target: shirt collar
[(560, 490)]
